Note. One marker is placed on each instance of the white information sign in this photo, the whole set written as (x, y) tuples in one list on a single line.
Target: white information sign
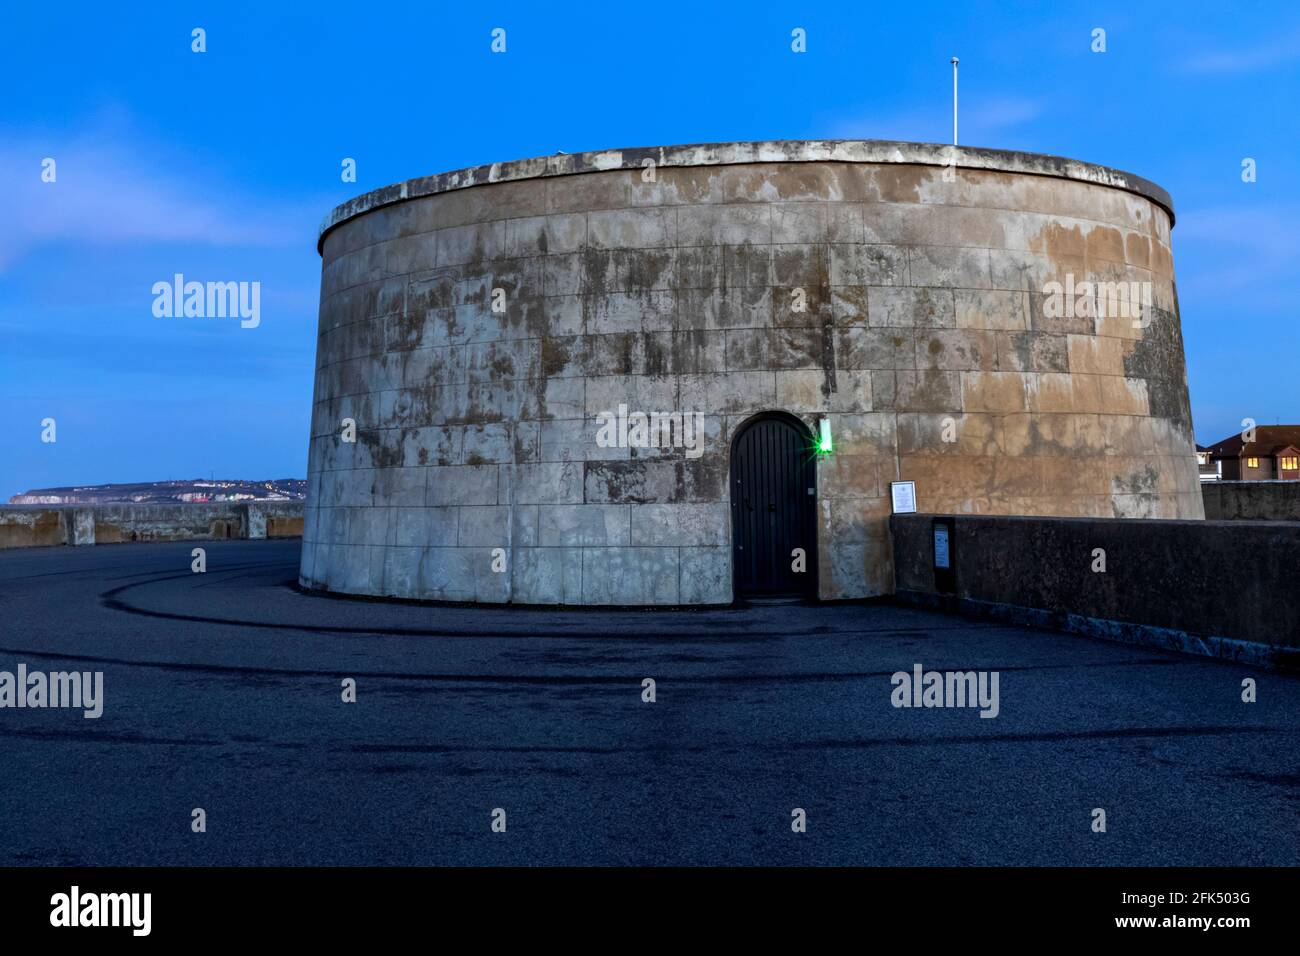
[(904, 494), (941, 546)]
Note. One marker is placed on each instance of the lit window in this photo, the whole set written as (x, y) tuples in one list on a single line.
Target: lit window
[(1290, 464), (1252, 462)]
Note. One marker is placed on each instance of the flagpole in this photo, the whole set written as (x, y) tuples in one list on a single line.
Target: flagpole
[(954, 101)]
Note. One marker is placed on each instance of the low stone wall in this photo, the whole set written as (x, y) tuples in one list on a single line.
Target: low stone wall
[(34, 526), (1251, 500), (1222, 588)]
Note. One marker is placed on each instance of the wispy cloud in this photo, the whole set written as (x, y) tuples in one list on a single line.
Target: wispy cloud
[(1261, 56), (113, 187)]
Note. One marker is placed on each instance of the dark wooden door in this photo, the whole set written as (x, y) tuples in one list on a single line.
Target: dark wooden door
[(773, 508)]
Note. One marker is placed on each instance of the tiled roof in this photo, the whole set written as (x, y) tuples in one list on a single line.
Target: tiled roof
[(1269, 439)]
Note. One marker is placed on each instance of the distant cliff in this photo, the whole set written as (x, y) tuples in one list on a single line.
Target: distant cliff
[(196, 490)]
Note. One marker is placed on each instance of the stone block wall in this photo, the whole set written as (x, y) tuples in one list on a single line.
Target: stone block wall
[(475, 325)]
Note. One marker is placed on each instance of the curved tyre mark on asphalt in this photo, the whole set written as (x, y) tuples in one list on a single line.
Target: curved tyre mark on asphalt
[(936, 741), (112, 599), (577, 680), (1123, 733)]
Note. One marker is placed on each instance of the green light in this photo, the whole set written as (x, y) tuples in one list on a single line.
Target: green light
[(824, 444)]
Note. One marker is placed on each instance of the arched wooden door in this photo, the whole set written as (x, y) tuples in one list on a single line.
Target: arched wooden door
[(773, 508)]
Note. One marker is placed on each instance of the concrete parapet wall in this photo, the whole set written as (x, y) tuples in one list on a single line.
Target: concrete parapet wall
[(275, 519), (1224, 588), (34, 526), (1251, 500)]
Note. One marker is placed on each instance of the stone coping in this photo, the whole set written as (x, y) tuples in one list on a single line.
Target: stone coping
[(726, 154)]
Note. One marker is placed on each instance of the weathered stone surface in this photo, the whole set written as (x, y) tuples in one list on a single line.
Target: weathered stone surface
[(630, 576), (681, 525), (481, 326), (547, 576), (705, 575), (585, 525)]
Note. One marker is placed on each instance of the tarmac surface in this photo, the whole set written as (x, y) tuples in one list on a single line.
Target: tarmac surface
[(222, 691)]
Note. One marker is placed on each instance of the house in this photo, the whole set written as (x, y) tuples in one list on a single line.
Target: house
[(1209, 470), (1274, 455)]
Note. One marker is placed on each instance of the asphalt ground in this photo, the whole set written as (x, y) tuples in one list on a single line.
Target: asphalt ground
[(222, 691)]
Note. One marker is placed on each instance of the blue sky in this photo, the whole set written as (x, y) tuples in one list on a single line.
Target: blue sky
[(220, 166)]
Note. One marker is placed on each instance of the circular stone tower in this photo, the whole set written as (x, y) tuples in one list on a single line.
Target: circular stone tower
[(609, 378)]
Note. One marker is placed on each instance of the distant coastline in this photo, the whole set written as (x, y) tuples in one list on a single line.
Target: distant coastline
[(201, 490)]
